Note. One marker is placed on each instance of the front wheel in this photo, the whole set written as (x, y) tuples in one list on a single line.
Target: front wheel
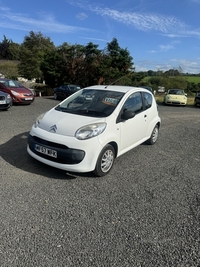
[(154, 136), (105, 161)]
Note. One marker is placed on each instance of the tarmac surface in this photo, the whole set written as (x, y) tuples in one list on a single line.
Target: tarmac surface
[(144, 213)]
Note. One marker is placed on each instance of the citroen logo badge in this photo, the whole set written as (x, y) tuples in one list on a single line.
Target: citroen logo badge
[(53, 128)]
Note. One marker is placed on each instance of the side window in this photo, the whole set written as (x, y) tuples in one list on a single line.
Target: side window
[(134, 103), (147, 100)]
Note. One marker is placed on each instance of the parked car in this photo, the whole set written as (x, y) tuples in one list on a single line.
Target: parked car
[(197, 99), (175, 97), (5, 101), (65, 90), (18, 93), (89, 129)]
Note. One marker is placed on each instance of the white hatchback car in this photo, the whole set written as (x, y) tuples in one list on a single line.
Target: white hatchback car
[(92, 127)]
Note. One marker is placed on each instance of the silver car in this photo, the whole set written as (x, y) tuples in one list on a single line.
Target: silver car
[(5, 101)]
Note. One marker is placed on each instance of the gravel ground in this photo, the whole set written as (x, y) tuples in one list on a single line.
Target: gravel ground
[(145, 213)]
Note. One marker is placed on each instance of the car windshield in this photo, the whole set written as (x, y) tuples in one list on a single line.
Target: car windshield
[(91, 102), (11, 83), (176, 92)]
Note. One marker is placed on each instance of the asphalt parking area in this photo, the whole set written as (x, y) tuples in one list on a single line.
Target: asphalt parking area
[(145, 212)]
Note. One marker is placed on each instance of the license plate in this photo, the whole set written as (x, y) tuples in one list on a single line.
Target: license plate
[(28, 98), (46, 151), (2, 102)]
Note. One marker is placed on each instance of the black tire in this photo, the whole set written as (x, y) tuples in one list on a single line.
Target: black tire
[(105, 161), (154, 136)]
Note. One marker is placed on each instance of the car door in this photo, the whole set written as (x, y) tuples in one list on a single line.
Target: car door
[(64, 92), (133, 130)]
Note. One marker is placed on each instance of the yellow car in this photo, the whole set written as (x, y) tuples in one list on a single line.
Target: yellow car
[(175, 97)]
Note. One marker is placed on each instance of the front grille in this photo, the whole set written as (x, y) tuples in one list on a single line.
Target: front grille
[(27, 94), (2, 97), (47, 143), (65, 155)]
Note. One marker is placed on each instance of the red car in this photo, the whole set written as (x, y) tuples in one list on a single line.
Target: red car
[(18, 93)]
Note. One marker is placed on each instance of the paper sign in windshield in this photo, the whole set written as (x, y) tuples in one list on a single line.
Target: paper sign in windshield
[(110, 101)]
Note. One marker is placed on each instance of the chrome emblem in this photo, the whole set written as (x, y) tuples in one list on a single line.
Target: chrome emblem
[(53, 128)]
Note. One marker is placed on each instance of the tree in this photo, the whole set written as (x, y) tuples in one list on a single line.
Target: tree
[(4, 45), (32, 54), (9, 69), (14, 51), (117, 62)]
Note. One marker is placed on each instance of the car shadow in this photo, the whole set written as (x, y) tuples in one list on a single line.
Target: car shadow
[(15, 153)]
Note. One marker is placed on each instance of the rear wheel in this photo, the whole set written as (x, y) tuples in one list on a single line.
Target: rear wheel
[(105, 161), (154, 136)]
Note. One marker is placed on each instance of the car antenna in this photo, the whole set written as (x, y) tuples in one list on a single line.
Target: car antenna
[(117, 80)]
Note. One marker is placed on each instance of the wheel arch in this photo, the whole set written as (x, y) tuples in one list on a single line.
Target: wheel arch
[(115, 146)]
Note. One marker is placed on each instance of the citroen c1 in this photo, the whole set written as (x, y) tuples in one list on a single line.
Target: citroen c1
[(89, 129)]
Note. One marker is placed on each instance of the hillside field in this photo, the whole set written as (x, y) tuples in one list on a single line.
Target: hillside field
[(191, 79)]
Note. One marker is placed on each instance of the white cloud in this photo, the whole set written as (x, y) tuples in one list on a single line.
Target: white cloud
[(187, 66), (81, 16), (165, 48), (46, 23), (166, 25)]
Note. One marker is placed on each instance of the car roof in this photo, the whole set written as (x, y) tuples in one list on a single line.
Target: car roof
[(120, 88)]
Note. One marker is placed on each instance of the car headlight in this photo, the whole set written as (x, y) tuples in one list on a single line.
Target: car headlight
[(90, 131), (38, 120), (14, 93)]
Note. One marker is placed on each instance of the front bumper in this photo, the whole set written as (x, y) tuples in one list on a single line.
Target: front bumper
[(65, 155), (72, 154), (170, 102), (5, 106), (23, 100)]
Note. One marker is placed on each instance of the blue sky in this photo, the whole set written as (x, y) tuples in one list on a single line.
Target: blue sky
[(159, 35)]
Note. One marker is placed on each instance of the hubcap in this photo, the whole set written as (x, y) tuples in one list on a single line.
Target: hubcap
[(155, 135), (107, 161)]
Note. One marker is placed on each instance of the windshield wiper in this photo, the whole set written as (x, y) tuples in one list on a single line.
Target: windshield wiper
[(91, 111)]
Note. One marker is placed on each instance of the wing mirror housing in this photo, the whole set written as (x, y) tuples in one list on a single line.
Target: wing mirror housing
[(127, 114)]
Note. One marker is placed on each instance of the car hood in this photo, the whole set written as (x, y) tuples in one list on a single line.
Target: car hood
[(65, 123), (21, 90), (3, 94), (176, 96)]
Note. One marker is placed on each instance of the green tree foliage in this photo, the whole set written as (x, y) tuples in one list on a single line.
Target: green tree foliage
[(91, 68), (63, 64), (117, 62), (14, 51), (9, 69), (32, 54), (4, 45), (86, 65), (9, 50)]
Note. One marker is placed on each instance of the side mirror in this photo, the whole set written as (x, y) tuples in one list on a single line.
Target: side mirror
[(127, 114)]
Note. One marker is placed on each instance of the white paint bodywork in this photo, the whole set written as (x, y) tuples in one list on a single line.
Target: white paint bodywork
[(126, 134)]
